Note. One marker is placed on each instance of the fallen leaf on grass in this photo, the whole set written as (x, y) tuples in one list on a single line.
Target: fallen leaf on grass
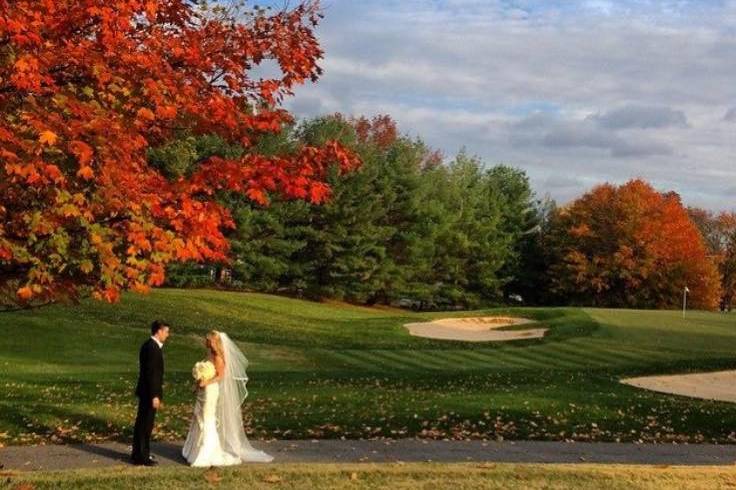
[(212, 477), (353, 476), (272, 479)]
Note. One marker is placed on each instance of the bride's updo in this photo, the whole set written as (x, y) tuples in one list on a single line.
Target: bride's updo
[(214, 343)]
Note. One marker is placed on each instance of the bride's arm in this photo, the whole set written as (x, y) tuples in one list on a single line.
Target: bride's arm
[(219, 372)]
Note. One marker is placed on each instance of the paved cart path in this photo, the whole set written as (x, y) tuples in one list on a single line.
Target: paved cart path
[(54, 457)]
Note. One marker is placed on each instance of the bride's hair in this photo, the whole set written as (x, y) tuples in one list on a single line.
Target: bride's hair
[(214, 342)]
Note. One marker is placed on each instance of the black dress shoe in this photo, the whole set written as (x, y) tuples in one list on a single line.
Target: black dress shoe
[(143, 462)]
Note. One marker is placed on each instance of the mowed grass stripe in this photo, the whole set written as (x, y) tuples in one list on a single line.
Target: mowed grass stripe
[(517, 361), (589, 355), (619, 355), (346, 359), (500, 359), (532, 359), (404, 358), (623, 356), (561, 358), (445, 360), (577, 353), (377, 360), (537, 357), (511, 359), (640, 354), (489, 359), (579, 358), (615, 352), (434, 359), (461, 360), (451, 359)]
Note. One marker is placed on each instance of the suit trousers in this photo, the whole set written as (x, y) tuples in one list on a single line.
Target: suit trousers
[(143, 429)]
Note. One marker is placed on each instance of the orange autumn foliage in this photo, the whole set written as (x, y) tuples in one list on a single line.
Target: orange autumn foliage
[(88, 86), (719, 232), (630, 246), (381, 130)]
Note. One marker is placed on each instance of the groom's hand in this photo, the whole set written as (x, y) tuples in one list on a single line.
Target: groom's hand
[(156, 403)]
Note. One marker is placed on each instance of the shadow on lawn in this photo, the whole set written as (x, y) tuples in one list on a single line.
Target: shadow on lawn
[(122, 456), (84, 424)]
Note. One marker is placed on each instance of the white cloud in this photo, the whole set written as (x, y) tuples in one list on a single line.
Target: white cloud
[(616, 89)]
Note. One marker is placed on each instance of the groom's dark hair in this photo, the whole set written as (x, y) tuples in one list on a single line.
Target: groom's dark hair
[(157, 325)]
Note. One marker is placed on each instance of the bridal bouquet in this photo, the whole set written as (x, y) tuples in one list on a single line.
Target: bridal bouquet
[(203, 371)]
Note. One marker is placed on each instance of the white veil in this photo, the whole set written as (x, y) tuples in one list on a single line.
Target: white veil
[(232, 395)]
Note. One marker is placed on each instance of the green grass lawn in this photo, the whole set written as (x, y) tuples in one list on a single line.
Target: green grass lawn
[(333, 370), (381, 476)]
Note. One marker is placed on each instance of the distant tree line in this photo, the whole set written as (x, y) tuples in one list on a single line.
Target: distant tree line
[(414, 228)]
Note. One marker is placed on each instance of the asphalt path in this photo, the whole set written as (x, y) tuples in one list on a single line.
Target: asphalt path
[(55, 457)]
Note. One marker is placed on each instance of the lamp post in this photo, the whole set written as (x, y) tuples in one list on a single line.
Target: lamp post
[(684, 300)]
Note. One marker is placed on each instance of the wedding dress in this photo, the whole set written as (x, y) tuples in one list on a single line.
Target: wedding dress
[(216, 435), (202, 447)]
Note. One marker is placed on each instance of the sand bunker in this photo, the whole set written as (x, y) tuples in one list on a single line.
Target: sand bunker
[(475, 329), (719, 385)]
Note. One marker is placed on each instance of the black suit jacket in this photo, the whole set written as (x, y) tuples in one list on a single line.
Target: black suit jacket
[(151, 371)]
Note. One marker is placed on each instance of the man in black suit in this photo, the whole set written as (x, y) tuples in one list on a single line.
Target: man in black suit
[(149, 392)]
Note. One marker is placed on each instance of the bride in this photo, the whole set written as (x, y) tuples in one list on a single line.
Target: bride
[(216, 436)]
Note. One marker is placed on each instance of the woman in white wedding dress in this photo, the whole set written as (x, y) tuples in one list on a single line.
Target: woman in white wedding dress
[(216, 436)]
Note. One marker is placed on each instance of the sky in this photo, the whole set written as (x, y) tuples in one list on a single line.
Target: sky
[(575, 93)]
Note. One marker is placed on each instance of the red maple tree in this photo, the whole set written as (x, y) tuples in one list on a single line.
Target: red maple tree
[(88, 86), (630, 246)]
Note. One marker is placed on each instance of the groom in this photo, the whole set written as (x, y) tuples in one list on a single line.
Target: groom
[(149, 392)]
